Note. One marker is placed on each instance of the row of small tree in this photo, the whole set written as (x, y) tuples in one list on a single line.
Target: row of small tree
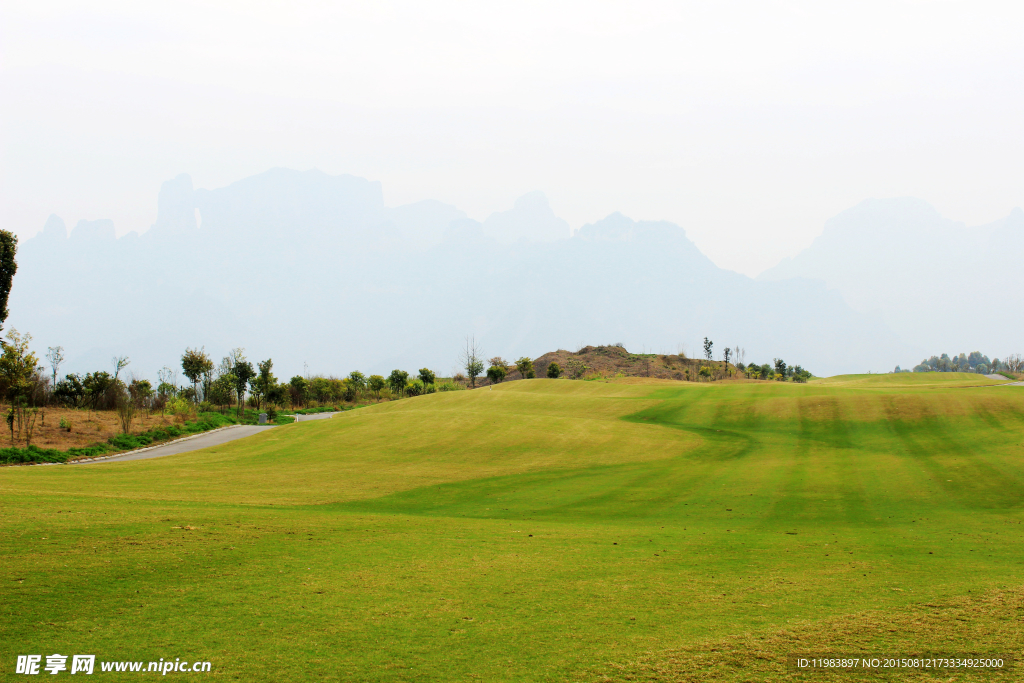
[(776, 371), (235, 376), (968, 362), (471, 360)]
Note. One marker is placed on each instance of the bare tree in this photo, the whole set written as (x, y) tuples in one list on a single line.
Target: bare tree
[(55, 354), (120, 363), (472, 360), (126, 407), (1014, 363)]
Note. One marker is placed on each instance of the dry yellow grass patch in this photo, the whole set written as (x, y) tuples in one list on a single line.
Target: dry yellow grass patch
[(990, 624), (87, 427)]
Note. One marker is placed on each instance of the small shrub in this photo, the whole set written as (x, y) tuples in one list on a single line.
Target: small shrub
[(450, 386), (577, 368), (65, 424), (180, 407), (128, 442), (554, 371)]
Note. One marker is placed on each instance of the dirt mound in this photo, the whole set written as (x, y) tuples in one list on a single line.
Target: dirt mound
[(616, 361)]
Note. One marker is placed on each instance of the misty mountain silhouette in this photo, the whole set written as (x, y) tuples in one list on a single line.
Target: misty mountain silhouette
[(937, 283), (305, 267)]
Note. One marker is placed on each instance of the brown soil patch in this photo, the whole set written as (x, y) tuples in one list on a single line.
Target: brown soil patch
[(87, 427)]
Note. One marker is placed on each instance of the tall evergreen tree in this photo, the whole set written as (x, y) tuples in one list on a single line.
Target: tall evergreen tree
[(8, 267)]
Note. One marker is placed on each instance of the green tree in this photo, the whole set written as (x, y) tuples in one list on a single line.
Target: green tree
[(264, 381), (141, 391), (299, 387), (525, 367), (165, 387), (397, 381), (496, 373), (96, 385), (358, 379), (195, 363), (320, 388), (350, 391), (166, 390), (277, 394), (69, 391), (222, 390), (708, 345), (8, 267), (243, 372), (554, 372), (17, 363), (376, 384), (780, 369), (427, 377)]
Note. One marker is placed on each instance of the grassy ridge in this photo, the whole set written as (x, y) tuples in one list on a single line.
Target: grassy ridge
[(543, 530)]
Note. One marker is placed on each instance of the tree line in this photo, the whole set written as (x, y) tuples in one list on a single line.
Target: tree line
[(969, 362), (239, 383)]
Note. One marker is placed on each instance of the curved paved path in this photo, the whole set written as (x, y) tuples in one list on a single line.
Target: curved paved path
[(214, 438), (1008, 384), (314, 416)]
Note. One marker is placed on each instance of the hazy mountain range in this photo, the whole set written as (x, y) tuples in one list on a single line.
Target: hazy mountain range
[(936, 283), (315, 271)]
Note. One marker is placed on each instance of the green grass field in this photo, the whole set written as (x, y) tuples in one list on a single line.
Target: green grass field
[(545, 530)]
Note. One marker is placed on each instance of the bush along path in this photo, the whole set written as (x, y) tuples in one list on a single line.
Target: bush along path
[(116, 444)]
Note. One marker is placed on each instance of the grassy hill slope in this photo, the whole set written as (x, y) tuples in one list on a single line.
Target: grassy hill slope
[(542, 530)]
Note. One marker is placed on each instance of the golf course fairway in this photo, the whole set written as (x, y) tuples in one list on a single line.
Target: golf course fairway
[(545, 530)]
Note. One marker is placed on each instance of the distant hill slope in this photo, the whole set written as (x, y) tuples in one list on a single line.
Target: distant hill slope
[(309, 268), (936, 283)]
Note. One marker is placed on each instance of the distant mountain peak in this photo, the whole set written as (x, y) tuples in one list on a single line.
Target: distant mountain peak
[(530, 218), (176, 208), (54, 228), (91, 231)]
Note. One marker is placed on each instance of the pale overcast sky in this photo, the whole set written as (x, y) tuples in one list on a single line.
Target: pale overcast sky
[(748, 123)]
